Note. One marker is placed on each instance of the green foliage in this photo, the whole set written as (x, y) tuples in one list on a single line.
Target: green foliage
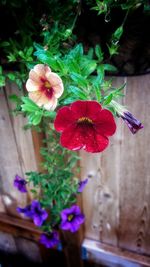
[(58, 185)]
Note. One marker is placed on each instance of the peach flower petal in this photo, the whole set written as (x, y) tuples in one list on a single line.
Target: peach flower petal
[(42, 69), (34, 76), (51, 105), (53, 78), (38, 97), (32, 86), (58, 90)]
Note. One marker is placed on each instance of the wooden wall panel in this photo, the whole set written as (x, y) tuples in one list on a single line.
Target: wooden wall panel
[(16, 152), (135, 171), (9, 159), (117, 200), (23, 137)]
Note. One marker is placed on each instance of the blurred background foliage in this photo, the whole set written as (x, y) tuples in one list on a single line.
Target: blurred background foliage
[(119, 27)]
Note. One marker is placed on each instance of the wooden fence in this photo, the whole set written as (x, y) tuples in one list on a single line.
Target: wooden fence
[(116, 200)]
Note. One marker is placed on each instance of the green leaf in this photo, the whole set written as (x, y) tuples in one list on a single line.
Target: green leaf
[(109, 67), (29, 105), (47, 58), (89, 68), (118, 33), (35, 118), (77, 91), (50, 114), (97, 92), (79, 79), (11, 76), (108, 99), (98, 52), (101, 73)]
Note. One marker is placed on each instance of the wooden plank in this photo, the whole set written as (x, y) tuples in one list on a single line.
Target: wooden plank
[(9, 160), (112, 256), (23, 137), (18, 227), (101, 195), (134, 233)]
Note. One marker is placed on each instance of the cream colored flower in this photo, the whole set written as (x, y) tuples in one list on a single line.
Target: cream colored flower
[(44, 86)]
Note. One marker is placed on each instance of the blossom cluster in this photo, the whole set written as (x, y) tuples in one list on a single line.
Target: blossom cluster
[(83, 124)]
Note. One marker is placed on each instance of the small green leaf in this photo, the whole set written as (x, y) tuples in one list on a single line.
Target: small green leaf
[(109, 67), (118, 33), (108, 99), (11, 76), (98, 52)]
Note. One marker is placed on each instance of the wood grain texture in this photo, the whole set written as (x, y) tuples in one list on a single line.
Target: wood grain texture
[(135, 171), (101, 195), (23, 137), (116, 200), (9, 158), (17, 155)]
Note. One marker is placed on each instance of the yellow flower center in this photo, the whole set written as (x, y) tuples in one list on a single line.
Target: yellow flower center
[(70, 217), (85, 120), (47, 85)]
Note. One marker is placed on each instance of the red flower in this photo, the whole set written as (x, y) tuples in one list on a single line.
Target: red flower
[(85, 125)]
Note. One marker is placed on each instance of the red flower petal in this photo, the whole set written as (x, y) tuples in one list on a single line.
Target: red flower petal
[(76, 137), (72, 137), (104, 123), (85, 108), (94, 142), (63, 119)]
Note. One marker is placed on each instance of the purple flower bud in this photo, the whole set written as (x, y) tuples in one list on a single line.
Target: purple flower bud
[(81, 185), (20, 184), (71, 219), (49, 240), (133, 124)]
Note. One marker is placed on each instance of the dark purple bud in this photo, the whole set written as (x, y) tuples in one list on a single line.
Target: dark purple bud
[(20, 184), (49, 240), (133, 124)]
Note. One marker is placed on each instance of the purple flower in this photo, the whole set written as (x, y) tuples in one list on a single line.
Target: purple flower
[(49, 240), (81, 185), (26, 211), (35, 212), (20, 183), (133, 124), (71, 218), (39, 215)]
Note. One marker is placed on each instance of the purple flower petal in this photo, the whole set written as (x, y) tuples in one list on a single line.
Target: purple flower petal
[(74, 227), (26, 211), (65, 225), (72, 218), (39, 214), (82, 184), (37, 220), (49, 240)]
